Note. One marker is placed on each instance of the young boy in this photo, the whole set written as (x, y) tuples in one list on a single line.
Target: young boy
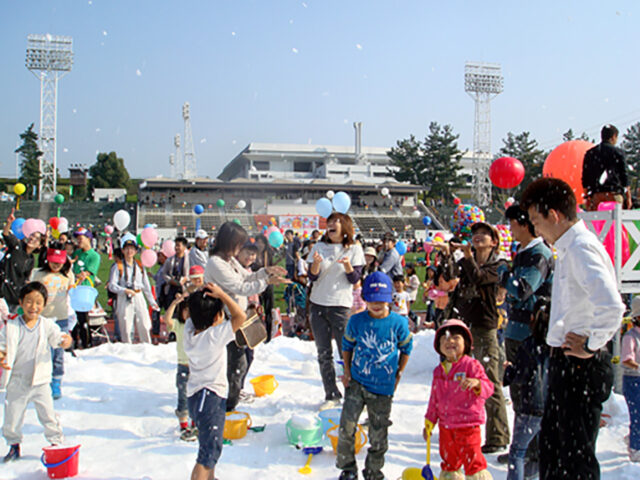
[(206, 335), (25, 355), (375, 349)]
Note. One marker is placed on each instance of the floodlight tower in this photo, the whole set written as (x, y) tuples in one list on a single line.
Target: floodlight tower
[(178, 159), (49, 57), (482, 81), (190, 170), (172, 163)]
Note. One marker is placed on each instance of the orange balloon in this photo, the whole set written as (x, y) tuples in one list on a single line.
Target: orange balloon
[(565, 163)]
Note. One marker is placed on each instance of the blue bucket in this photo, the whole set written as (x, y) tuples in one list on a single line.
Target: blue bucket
[(330, 418), (83, 298)]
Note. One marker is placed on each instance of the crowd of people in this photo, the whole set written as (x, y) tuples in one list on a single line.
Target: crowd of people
[(540, 323)]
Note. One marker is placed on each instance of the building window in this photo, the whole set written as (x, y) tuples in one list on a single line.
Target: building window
[(380, 174), (302, 166), (262, 165)]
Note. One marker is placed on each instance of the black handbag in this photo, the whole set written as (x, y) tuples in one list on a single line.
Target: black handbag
[(252, 332)]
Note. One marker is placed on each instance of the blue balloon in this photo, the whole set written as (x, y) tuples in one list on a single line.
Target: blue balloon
[(323, 207), (16, 228), (341, 202), (148, 225), (401, 247), (198, 209), (426, 220), (276, 239)]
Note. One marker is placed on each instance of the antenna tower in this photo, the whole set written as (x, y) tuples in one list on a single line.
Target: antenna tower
[(483, 82), (190, 168), (49, 58)]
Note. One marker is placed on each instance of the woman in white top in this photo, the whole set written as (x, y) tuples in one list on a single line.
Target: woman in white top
[(336, 264), (224, 270)]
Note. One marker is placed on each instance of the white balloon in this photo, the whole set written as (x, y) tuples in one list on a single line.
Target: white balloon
[(121, 219), (384, 191), (330, 194), (511, 200), (242, 204), (416, 213)]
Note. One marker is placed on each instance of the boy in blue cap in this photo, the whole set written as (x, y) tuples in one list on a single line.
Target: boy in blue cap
[(375, 349)]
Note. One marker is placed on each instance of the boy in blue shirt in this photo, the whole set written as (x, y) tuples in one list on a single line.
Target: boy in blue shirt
[(375, 349)]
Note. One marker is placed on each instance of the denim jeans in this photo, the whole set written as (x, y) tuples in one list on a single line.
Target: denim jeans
[(182, 377), (525, 428), (57, 354), (631, 390)]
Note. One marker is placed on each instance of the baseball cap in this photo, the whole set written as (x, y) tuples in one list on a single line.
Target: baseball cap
[(128, 240), (202, 234), (196, 271), (55, 255), (83, 232), (377, 288)]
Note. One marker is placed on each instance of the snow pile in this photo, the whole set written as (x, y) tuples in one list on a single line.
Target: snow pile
[(118, 403)]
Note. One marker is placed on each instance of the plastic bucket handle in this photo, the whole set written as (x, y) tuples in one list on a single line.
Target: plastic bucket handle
[(54, 465)]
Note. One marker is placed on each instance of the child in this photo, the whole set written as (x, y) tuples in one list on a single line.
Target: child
[(458, 392), (530, 372), (401, 300), (25, 355), (631, 379), (57, 277), (413, 283), (375, 349), (206, 335), (182, 373)]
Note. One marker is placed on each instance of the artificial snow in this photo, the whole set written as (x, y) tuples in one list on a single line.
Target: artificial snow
[(119, 400)]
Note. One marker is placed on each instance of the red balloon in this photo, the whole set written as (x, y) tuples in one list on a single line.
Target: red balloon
[(54, 222), (506, 172), (565, 163), (456, 201)]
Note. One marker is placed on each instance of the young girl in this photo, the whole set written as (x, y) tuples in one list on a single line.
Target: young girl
[(458, 392), (57, 277), (631, 379)]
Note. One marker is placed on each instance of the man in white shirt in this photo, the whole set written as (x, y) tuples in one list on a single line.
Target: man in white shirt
[(199, 253), (586, 311)]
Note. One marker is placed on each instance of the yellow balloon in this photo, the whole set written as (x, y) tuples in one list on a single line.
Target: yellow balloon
[(19, 188), (55, 233)]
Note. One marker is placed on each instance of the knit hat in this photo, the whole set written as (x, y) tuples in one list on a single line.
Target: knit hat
[(56, 256), (377, 288), (457, 326)]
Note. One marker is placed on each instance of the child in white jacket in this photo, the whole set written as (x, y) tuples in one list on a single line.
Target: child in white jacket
[(26, 358)]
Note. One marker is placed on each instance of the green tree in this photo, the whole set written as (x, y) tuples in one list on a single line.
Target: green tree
[(569, 135), (30, 161), (108, 172), (631, 146), (526, 150), (433, 163)]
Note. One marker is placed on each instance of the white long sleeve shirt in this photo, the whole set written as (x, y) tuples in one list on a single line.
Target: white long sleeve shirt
[(133, 277), (234, 279), (584, 296)]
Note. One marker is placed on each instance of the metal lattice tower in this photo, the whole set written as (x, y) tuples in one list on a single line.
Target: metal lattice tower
[(172, 163), (177, 169), (49, 58), (190, 168), (482, 81)]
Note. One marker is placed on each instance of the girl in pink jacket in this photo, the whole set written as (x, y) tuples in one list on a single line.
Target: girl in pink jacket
[(458, 392)]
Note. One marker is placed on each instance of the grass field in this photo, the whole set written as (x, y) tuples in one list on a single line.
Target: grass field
[(105, 267)]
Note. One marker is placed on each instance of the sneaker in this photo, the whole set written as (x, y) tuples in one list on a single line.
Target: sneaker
[(634, 455), (503, 459), (493, 448), (328, 404), (246, 397), (14, 453), (56, 391), (189, 434), (370, 475), (348, 475)]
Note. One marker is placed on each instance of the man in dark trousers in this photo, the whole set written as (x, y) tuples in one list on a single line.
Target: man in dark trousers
[(604, 172), (586, 312)]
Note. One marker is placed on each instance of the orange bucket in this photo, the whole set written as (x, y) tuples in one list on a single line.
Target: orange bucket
[(361, 438), (236, 425), (61, 462), (264, 385)]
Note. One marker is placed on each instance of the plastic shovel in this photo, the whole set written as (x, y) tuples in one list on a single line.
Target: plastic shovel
[(423, 473), (310, 451)]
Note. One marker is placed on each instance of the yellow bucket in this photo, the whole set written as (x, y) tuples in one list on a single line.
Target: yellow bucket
[(236, 427), (264, 385), (361, 438)]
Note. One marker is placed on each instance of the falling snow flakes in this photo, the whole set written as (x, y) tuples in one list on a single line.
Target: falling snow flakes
[(358, 46), (138, 72), (294, 50), (104, 33), (603, 178)]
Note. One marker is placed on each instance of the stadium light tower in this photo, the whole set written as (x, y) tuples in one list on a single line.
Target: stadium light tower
[(178, 169), (49, 58), (190, 168), (482, 81)]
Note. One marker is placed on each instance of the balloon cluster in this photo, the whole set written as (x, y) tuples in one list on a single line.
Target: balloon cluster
[(506, 241), (463, 217), (273, 233), (340, 202)]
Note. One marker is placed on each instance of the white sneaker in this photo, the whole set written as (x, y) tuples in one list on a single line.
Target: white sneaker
[(634, 455), (246, 397), (330, 404)]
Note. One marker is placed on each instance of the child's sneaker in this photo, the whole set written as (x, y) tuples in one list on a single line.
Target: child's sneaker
[(348, 475), (14, 453), (56, 391), (189, 434)]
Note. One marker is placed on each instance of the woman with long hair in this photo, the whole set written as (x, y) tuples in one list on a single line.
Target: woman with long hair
[(224, 270), (265, 259), (336, 265)]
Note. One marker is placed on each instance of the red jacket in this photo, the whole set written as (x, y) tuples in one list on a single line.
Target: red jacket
[(452, 406)]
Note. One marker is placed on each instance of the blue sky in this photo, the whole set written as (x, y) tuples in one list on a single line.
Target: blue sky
[(303, 72)]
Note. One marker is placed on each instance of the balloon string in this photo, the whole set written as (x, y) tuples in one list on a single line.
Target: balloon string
[(18, 203), (58, 212)]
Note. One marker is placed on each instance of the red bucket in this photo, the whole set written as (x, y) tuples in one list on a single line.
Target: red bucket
[(61, 462)]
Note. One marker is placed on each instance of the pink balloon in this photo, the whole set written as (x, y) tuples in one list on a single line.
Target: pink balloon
[(169, 248), (270, 230), (148, 258), (427, 247), (149, 237), (32, 225), (108, 229)]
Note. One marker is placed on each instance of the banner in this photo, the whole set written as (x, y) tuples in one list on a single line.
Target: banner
[(299, 222)]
